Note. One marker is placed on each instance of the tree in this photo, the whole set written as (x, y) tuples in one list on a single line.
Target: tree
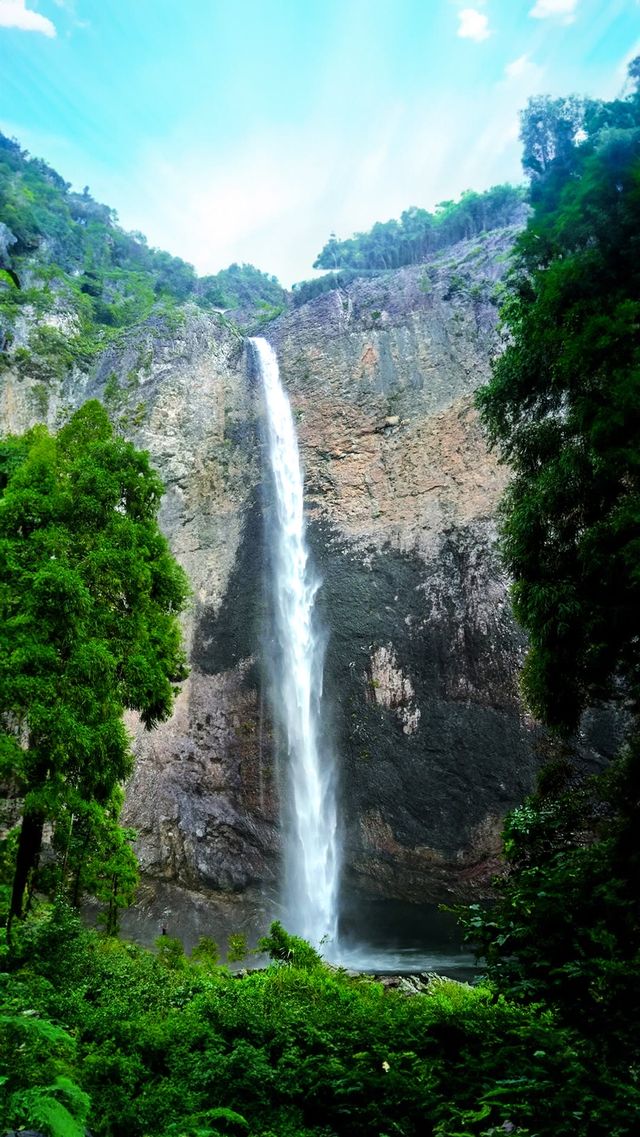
[(548, 133), (240, 286), (391, 244), (563, 409), (94, 856), (89, 599)]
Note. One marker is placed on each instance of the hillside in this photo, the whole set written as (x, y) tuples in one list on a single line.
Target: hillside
[(72, 279)]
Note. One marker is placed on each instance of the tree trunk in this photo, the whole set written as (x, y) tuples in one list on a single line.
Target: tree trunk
[(111, 927), (77, 884), (29, 845)]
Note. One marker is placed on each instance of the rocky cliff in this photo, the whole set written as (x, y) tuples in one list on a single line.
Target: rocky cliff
[(422, 653)]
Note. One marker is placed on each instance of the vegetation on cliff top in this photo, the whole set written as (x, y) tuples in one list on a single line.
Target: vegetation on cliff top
[(419, 233), (417, 236), (72, 281)]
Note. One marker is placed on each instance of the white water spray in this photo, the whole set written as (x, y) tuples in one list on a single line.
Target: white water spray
[(310, 823)]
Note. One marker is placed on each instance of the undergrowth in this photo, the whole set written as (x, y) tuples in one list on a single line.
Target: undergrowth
[(99, 1032)]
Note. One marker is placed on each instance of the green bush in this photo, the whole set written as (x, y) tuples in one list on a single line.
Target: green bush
[(284, 948), (298, 1049)]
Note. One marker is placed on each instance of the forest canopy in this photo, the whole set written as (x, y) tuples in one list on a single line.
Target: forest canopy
[(415, 238), (419, 233)]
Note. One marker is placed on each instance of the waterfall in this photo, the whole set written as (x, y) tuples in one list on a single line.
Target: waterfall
[(309, 807)]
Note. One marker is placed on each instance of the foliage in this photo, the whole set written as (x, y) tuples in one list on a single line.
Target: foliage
[(206, 953), (289, 1050), (281, 946), (419, 233), (563, 408), (564, 929), (80, 280), (88, 602), (237, 947), (170, 953), (241, 286), (36, 1093), (95, 856), (308, 289)]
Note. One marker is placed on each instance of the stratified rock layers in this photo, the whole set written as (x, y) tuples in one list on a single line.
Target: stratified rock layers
[(422, 652)]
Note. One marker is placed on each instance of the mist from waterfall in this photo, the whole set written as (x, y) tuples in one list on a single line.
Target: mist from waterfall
[(309, 807)]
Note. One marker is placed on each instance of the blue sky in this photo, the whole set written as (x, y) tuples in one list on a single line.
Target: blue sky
[(248, 130)]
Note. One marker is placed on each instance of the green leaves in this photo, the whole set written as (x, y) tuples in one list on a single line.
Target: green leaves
[(88, 603), (163, 1045), (563, 408), (36, 1089), (285, 948), (393, 243), (59, 1110)]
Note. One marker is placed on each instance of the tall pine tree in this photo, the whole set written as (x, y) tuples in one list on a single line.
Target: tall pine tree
[(89, 600)]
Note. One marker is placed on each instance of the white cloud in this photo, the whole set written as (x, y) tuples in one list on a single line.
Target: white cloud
[(550, 9), (473, 25), (15, 14), (523, 70), (517, 68)]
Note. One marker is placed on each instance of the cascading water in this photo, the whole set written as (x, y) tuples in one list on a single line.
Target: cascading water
[(310, 815)]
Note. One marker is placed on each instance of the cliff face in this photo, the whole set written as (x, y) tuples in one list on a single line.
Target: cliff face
[(422, 652)]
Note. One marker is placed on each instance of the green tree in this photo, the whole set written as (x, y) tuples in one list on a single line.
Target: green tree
[(89, 598), (563, 409), (548, 133), (94, 855), (240, 286), (418, 233)]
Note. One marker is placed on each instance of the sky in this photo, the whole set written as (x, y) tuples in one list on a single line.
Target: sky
[(249, 130)]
